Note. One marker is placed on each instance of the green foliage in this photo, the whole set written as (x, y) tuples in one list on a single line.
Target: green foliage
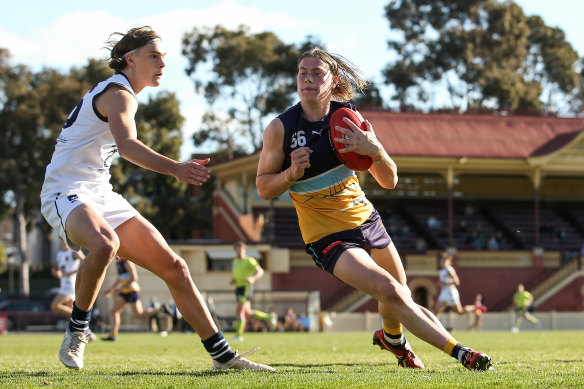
[(34, 107), (253, 75), (162, 199), (486, 54), (3, 259), (370, 100), (302, 360)]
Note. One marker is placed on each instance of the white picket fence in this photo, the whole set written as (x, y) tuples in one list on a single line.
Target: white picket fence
[(492, 321)]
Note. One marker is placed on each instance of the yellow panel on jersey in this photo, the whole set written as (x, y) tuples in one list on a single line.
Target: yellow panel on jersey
[(242, 268), (131, 287), (329, 203)]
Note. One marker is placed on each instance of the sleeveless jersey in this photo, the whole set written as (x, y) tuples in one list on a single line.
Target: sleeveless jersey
[(445, 277), (328, 198), (123, 274), (86, 147), (66, 264)]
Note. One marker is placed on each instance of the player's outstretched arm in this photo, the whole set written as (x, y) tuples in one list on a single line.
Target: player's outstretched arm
[(119, 106)]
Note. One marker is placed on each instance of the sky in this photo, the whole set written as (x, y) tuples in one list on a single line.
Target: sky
[(62, 34)]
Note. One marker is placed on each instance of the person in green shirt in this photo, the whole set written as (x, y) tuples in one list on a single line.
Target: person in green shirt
[(522, 300), (245, 271)]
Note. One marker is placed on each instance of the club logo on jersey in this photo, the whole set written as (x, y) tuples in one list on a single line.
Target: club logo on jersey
[(72, 198)]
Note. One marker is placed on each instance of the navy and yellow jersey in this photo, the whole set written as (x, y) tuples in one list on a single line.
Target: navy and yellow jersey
[(328, 198), (124, 276)]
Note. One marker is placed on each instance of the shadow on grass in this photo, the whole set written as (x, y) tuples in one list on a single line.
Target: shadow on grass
[(280, 368)]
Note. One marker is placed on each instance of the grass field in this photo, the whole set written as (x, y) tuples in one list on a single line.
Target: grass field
[(303, 360)]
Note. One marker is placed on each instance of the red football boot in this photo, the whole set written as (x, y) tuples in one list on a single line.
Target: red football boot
[(405, 355), (474, 360)]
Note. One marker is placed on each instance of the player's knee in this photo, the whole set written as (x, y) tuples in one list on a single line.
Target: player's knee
[(177, 273), (389, 293), (105, 250)]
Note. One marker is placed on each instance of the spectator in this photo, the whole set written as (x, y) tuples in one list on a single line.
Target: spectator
[(421, 245), (433, 223), (405, 232), (562, 234), (493, 243), (462, 226), (304, 322), (291, 322), (275, 324), (326, 319)]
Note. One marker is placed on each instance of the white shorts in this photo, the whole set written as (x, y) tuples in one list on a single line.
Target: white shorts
[(449, 295), (68, 292), (110, 205)]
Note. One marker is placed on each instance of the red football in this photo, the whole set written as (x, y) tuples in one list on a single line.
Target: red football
[(351, 160)]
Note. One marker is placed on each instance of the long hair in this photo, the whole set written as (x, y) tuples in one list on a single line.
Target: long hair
[(351, 78), (132, 40)]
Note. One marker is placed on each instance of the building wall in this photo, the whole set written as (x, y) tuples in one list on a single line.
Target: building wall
[(569, 298)]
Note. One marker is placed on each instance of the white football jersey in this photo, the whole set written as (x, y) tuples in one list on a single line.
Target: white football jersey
[(66, 263), (445, 276), (86, 147)]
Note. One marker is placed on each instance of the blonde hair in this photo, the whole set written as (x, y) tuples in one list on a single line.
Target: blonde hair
[(239, 244), (351, 78)]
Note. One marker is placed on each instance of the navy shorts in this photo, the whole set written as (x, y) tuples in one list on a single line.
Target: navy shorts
[(243, 293), (369, 235), (131, 297)]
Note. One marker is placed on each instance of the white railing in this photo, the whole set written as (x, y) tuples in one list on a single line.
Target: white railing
[(492, 321)]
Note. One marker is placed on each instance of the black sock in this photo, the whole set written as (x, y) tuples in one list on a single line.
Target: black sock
[(218, 348), (458, 352), (79, 321), (395, 340)]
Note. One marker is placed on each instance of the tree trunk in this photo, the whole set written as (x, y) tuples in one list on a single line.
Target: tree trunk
[(20, 233), (21, 244)]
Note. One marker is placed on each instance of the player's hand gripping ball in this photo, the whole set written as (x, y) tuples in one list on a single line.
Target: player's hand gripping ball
[(351, 160)]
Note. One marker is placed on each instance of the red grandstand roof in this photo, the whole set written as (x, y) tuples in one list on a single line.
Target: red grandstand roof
[(483, 136)]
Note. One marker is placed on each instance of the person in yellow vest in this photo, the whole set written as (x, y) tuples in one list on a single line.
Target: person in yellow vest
[(245, 272), (522, 300)]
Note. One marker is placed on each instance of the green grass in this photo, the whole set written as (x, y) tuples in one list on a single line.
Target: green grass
[(303, 360)]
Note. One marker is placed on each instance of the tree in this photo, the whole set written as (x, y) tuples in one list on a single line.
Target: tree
[(33, 108), (370, 100), (164, 200), (252, 74), (578, 102), (483, 53)]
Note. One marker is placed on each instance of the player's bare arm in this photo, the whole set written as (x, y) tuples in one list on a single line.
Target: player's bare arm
[(132, 270), (271, 181), (79, 255), (259, 272), (120, 107)]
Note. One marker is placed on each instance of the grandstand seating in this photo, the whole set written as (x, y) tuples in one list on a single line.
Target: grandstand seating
[(511, 221)]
